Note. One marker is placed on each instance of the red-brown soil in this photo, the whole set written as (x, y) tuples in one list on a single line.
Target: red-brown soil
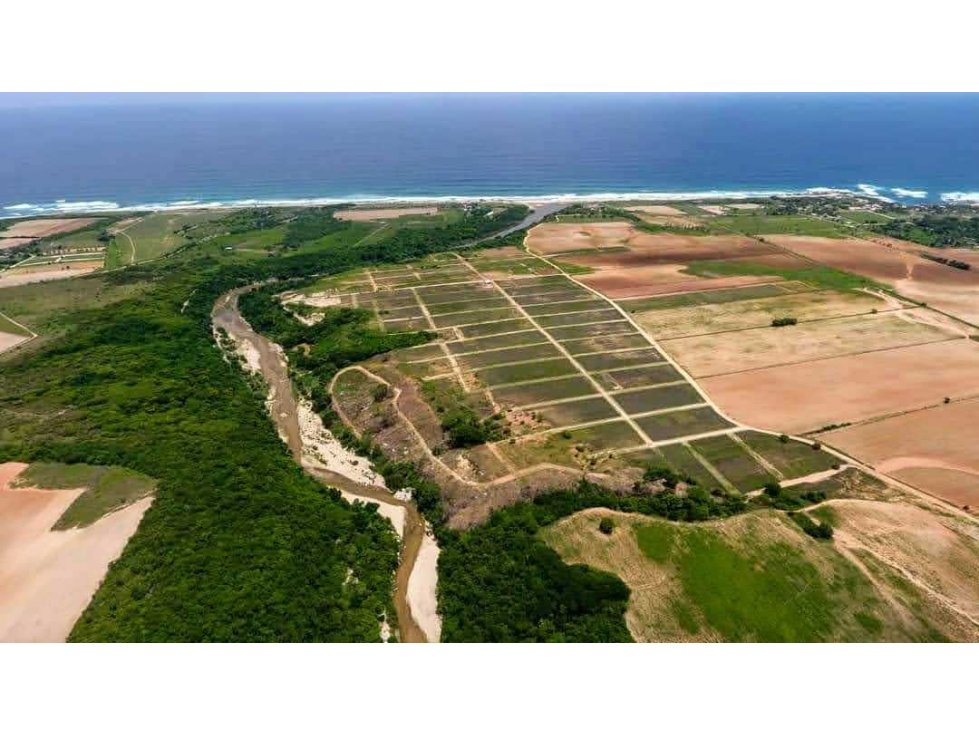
[(804, 397)]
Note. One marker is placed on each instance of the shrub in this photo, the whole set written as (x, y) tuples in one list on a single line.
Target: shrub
[(784, 321), (606, 525)]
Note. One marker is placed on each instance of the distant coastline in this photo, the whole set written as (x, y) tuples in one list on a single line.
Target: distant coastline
[(897, 195)]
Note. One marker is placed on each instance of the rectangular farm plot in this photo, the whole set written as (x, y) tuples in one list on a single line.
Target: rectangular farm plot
[(576, 411), (470, 304), (493, 328), (792, 458), (610, 328), (479, 360), (731, 460), (529, 371), (748, 314), (424, 370), (679, 457), (518, 339), (678, 423), (479, 316), (561, 447), (507, 268), (612, 360), (448, 294), (630, 377), (541, 392), (550, 296), (584, 317), (605, 344), (720, 354), (562, 306), (657, 398), (416, 324), (423, 352)]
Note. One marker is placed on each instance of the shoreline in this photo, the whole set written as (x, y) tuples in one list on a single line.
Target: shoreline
[(878, 193)]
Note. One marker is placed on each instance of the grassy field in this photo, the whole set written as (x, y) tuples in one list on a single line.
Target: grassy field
[(107, 489), (761, 224), (681, 423), (736, 464), (818, 276), (752, 578), (158, 233), (792, 458), (658, 398)]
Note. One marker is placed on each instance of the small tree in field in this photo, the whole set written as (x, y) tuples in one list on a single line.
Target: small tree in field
[(606, 525)]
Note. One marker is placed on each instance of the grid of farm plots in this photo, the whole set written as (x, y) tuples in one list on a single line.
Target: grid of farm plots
[(543, 345)]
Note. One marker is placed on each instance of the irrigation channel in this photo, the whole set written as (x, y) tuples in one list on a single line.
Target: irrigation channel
[(283, 408)]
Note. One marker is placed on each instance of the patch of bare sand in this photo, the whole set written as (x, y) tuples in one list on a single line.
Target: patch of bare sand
[(422, 587), (364, 215), (713, 209), (737, 351), (744, 206), (661, 210), (42, 273), (47, 577), (35, 228), (9, 243), (9, 341)]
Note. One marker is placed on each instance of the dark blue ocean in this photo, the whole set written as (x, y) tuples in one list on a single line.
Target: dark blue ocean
[(70, 152)]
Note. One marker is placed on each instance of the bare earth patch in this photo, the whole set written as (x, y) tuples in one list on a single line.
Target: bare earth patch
[(804, 397), (9, 243), (35, 228), (47, 577), (365, 215), (551, 238), (737, 351), (42, 273), (932, 449)]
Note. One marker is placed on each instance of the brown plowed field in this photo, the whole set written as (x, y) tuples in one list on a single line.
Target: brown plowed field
[(673, 249), (803, 397), (9, 243), (933, 449), (365, 215), (940, 286), (551, 238), (46, 227), (658, 279)]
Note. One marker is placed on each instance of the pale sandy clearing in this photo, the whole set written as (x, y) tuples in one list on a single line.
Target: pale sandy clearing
[(660, 210), (9, 341), (713, 209), (744, 206), (364, 215), (665, 323), (47, 578), (422, 587), (42, 273), (35, 228), (737, 351), (803, 397)]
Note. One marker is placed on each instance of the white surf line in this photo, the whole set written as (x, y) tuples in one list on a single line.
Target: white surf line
[(598, 387), (451, 357)]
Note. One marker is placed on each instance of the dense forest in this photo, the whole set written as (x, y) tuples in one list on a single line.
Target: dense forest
[(239, 544), (934, 230)]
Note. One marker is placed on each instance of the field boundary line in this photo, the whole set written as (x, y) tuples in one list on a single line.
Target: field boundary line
[(445, 349), (598, 387), (835, 356), (759, 459)]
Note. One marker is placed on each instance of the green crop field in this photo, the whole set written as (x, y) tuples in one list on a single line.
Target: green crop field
[(602, 344), (480, 360), (541, 392), (612, 360), (723, 295), (657, 398), (518, 339), (731, 460), (792, 458), (531, 371), (681, 423), (761, 224), (585, 317), (638, 376), (577, 411)]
